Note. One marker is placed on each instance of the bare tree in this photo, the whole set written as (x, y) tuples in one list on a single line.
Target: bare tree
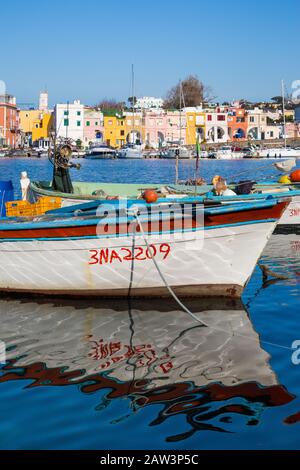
[(111, 105), (193, 91)]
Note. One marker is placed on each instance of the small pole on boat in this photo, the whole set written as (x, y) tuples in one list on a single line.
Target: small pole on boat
[(197, 162)]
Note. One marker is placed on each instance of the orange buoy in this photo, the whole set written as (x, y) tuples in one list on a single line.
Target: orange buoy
[(295, 176), (150, 196)]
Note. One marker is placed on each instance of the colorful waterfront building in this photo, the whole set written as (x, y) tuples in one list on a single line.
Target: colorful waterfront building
[(262, 126), (134, 128), (114, 130), (164, 127), (120, 129), (237, 124), (69, 121), (42, 126), (35, 125), (9, 121), (292, 130), (93, 126), (216, 126), (155, 125), (195, 126)]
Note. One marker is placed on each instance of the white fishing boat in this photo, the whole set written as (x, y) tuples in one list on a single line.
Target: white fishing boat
[(100, 151), (275, 152), (176, 151), (227, 153), (182, 247), (130, 151)]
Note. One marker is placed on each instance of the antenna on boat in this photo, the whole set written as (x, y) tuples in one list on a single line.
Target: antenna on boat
[(283, 106)]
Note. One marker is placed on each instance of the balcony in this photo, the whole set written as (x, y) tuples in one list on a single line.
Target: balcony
[(8, 99)]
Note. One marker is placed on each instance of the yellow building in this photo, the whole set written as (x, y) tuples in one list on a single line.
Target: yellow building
[(27, 118), (36, 123), (114, 131), (120, 130), (42, 127), (195, 126)]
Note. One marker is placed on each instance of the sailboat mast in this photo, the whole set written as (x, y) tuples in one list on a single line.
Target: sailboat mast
[(283, 107), (180, 116), (132, 91), (178, 150)]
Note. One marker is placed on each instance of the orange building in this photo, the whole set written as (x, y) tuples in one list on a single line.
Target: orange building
[(9, 121), (237, 124)]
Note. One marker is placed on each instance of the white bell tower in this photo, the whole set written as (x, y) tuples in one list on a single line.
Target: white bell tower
[(43, 102)]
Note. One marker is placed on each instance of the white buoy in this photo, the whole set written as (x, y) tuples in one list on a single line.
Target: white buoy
[(24, 182), (286, 165)]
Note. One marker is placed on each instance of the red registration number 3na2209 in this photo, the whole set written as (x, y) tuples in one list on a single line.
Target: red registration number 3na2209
[(139, 253)]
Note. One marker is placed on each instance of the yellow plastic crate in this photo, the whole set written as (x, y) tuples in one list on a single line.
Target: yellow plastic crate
[(25, 209), (47, 203), (19, 209)]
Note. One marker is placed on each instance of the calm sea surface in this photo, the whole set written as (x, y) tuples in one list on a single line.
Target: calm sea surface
[(130, 375)]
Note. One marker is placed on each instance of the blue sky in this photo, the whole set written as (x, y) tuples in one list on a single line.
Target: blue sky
[(84, 49)]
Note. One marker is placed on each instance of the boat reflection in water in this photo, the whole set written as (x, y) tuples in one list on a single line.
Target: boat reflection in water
[(160, 356)]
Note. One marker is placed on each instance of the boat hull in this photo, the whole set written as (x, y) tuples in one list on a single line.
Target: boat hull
[(213, 262), (278, 153)]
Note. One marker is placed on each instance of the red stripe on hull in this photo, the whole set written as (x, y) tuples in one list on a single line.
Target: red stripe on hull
[(151, 227)]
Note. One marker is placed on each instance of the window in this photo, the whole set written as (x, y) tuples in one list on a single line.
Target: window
[(122, 133), (240, 119), (36, 126), (271, 134), (66, 122), (66, 113), (78, 113), (221, 117), (110, 122), (209, 117), (88, 123), (96, 123), (117, 141), (78, 123), (252, 119)]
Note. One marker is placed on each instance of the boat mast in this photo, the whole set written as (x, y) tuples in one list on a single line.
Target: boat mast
[(177, 151), (132, 92), (283, 106)]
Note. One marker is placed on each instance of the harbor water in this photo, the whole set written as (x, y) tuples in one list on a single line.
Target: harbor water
[(145, 375)]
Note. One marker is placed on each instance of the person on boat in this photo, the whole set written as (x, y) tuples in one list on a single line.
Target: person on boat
[(221, 188), (61, 176)]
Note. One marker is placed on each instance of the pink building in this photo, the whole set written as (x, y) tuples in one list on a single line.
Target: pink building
[(292, 130), (163, 127), (93, 127)]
